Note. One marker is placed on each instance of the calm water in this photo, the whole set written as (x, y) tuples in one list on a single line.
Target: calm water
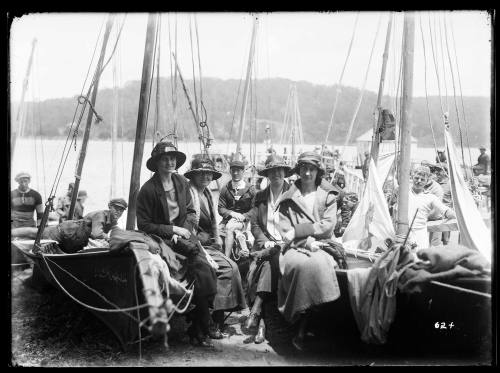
[(41, 160)]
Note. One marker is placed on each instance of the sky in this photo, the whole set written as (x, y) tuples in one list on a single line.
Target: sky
[(309, 46)]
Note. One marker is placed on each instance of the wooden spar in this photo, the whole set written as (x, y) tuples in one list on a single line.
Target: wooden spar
[(378, 122), (142, 120), (245, 92), (195, 116), (86, 135), (406, 124), (294, 125), (114, 130), (20, 110)]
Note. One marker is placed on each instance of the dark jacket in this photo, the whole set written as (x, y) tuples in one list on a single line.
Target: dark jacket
[(259, 217), (152, 209), (227, 202)]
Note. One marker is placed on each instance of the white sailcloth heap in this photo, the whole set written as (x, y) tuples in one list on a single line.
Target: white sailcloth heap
[(473, 231), (371, 223)]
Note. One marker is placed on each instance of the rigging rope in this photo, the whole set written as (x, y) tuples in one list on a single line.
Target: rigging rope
[(442, 62), (460, 87), (358, 105), (195, 93), (455, 97), (431, 33), (425, 87), (339, 84)]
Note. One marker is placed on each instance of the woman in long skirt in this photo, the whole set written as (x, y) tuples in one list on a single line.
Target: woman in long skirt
[(230, 295)]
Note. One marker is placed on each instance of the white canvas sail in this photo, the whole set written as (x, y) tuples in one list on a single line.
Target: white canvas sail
[(473, 231), (371, 223)]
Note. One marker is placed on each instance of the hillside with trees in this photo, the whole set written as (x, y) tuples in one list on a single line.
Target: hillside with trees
[(266, 105)]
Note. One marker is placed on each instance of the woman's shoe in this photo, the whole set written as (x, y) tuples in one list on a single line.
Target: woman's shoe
[(261, 334), (252, 320), (215, 334)]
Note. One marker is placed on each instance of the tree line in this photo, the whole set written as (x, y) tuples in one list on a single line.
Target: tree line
[(265, 106)]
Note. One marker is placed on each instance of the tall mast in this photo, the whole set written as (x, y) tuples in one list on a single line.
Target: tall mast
[(20, 110), (142, 118), (114, 129), (378, 122), (86, 135), (245, 92), (406, 124)]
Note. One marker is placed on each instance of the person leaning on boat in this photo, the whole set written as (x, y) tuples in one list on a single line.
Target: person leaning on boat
[(426, 203), (308, 213), (64, 203), (262, 280), (230, 295), (235, 202), (73, 235), (165, 208), (24, 202)]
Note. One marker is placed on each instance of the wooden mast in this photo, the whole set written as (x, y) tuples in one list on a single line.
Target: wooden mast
[(20, 110), (86, 135), (406, 125), (114, 130), (378, 122), (140, 135), (245, 92)]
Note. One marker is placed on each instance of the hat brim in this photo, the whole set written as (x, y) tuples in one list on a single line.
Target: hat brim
[(265, 171), (180, 157), (295, 170), (189, 174)]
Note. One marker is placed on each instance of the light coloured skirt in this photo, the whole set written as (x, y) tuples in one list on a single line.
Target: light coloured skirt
[(306, 281)]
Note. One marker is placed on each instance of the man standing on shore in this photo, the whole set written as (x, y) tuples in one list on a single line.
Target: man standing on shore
[(24, 201)]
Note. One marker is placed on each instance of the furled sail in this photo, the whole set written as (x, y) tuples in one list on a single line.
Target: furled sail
[(473, 231), (371, 223)]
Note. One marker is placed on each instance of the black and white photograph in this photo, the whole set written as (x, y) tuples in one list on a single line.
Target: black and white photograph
[(235, 188)]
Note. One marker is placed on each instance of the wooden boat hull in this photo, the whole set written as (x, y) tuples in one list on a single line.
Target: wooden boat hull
[(417, 329), (112, 274)]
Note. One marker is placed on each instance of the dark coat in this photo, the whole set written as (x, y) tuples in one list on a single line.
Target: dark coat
[(227, 202), (152, 209), (153, 218), (259, 217)]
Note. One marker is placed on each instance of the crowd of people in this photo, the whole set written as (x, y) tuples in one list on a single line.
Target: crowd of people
[(283, 232)]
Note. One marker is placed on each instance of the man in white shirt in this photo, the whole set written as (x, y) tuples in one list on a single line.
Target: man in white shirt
[(425, 203)]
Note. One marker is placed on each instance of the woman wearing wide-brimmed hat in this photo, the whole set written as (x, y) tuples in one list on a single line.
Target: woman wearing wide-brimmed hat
[(264, 270), (165, 208), (230, 294), (308, 213)]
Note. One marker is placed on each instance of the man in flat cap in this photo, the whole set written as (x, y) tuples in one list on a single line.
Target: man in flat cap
[(73, 235), (235, 203), (483, 163), (24, 202)]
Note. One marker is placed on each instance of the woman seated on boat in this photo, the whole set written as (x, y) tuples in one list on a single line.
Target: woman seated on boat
[(165, 208), (308, 213), (426, 203), (262, 281), (230, 295), (73, 235)]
